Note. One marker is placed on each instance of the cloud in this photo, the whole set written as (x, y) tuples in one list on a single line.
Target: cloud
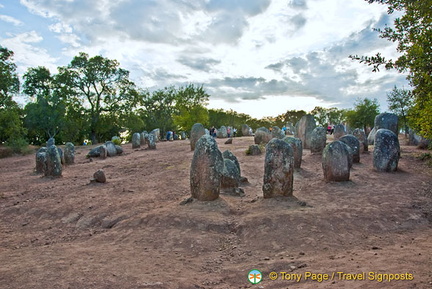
[(298, 4), (10, 19), (201, 64)]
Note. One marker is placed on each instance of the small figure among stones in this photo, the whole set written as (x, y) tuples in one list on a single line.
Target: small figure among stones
[(278, 169), (336, 162), (206, 169), (386, 151)]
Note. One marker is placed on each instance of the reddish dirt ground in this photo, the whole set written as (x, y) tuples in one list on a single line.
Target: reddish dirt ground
[(132, 232)]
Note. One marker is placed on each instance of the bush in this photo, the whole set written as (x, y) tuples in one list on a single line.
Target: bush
[(18, 146), (116, 140)]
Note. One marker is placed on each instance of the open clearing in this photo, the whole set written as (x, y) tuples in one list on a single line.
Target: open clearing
[(132, 232)]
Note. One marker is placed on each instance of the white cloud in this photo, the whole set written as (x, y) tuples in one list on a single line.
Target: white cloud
[(10, 19)]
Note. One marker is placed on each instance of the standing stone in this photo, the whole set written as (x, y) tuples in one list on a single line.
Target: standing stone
[(62, 159), (206, 169), (254, 150), (297, 147), (371, 136), (197, 131), (354, 144), (222, 132), (50, 142), (339, 131), (318, 140), (151, 141), (229, 155), (156, 133), (262, 136), (277, 132), (230, 175), (111, 149), (136, 140), (183, 135), (41, 164), (119, 150), (386, 151), (103, 152), (54, 166), (278, 169), (144, 138), (304, 127), (246, 130), (335, 162), (387, 121), (69, 153), (361, 136)]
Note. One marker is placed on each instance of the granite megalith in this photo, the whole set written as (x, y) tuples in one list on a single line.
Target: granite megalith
[(354, 144), (53, 162), (136, 140), (278, 169), (361, 136), (318, 139), (335, 162), (197, 131), (69, 153), (262, 136), (386, 151), (304, 129), (297, 147), (206, 169), (387, 121)]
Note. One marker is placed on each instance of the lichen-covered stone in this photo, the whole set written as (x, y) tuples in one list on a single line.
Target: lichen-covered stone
[(318, 139), (50, 142), (371, 136), (354, 144), (229, 155), (206, 169), (41, 160), (339, 131), (304, 129), (278, 169), (197, 131), (230, 175), (119, 150), (246, 130), (156, 133), (151, 141), (69, 153), (53, 161), (277, 132), (262, 136), (297, 147), (136, 140), (254, 150), (222, 132), (335, 162), (387, 121), (386, 151), (361, 136)]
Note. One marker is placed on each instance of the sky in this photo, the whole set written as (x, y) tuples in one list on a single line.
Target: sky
[(259, 57)]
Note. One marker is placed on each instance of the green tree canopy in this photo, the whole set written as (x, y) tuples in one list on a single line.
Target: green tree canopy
[(100, 86), (412, 32), (363, 115), (9, 81), (400, 102)]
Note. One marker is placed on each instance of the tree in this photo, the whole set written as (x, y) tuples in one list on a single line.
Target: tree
[(100, 86), (11, 128), (400, 102), (9, 81), (363, 115), (44, 117), (412, 32), (292, 116)]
